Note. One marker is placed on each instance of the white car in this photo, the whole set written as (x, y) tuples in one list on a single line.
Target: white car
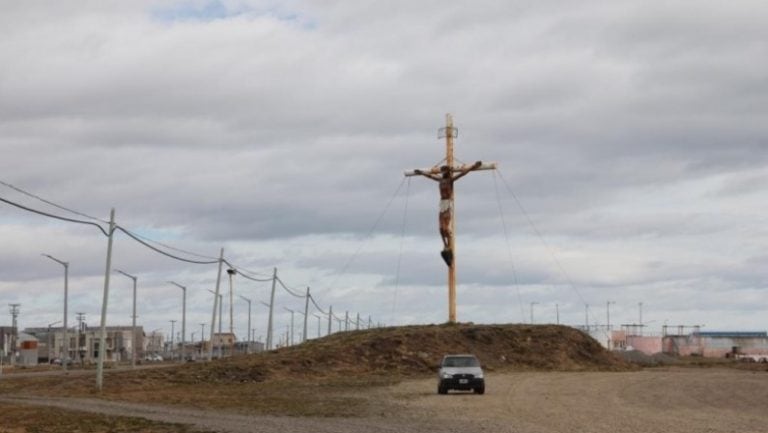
[(460, 372)]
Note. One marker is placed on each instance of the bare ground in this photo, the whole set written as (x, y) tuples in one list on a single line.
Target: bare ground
[(658, 400)]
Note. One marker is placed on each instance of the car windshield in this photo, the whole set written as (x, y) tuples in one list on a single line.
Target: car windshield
[(461, 361)]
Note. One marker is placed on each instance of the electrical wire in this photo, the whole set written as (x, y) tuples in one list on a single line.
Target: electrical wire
[(29, 194), (509, 248), (202, 256), (543, 241), (137, 239), (367, 236), (400, 255), (311, 298), (39, 212), (291, 292)]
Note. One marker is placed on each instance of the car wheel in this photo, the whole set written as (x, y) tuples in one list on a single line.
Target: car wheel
[(480, 390)]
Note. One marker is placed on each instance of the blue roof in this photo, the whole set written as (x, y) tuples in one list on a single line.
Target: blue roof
[(733, 334)]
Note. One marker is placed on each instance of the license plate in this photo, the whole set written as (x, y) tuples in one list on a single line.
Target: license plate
[(463, 381)]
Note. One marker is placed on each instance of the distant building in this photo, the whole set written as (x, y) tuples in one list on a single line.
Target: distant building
[(7, 336), (83, 345), (27, 346), (716, 344)]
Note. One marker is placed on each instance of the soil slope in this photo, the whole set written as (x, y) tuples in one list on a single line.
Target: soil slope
[(409, 351)]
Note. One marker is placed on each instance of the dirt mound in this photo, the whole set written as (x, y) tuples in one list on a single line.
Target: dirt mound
[(411, 350), (641, 359)]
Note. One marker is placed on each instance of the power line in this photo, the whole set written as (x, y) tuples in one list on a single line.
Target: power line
[(368, 235), (29, 194), (400, 254), (289, 290), (39, 212), (541, 238), (137, 239), (509, 247)]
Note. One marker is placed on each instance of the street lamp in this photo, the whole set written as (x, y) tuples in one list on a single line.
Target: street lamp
[(49, 339), (202, 338), (288, 309), (231, 272), (133, 350), (248, 345), (183, 317), (319, 318), (65, 343), (221, 339), (173, 349), (608, 320)]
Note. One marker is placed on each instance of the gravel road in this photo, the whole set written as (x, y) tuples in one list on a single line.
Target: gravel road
[(670, 401)]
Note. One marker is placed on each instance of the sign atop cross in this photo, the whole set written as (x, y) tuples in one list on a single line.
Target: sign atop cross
[(446, 174)]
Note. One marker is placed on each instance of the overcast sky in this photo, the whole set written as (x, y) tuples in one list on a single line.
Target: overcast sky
[(633, 133)]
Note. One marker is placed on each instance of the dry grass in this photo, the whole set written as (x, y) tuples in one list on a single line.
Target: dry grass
[(29, 419)]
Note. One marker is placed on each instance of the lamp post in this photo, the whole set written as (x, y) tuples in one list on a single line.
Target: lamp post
[(65, 343), (231, 272), (248, 345), (49, 339), (155, 344), (133, 318), (202, 338), (608, 320), (219, 345), (183, 317), (291, 339), (173, 349), (319, 318)]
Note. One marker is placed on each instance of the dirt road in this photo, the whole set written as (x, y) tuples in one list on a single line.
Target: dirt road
[(678, 400), (670, 401)]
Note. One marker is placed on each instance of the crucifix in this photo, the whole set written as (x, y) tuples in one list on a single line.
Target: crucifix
[(445, 175)]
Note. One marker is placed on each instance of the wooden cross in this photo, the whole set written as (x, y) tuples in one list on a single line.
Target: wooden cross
[(446, 174)]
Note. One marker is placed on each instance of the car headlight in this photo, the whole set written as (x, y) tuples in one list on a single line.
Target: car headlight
[(479, 376), (446, 375)]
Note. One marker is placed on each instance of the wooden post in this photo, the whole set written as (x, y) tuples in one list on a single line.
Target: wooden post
[(450, 172)]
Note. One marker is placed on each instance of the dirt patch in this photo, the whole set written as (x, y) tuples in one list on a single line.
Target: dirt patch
[(408, 351), (29, 419)]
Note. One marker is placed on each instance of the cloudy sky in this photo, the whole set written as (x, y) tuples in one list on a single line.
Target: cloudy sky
[(632, 133)]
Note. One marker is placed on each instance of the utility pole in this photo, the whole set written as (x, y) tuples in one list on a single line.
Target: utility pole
[(586, 317), (183, 317), (271, 309), (291, 334), (104, 302), (346, 320), (532, 304), (202, 339), (231, 272), (215, 300), (306, 316), (608, 321), (15, 336), (248, 345), (65, 344), (319, 318), (357, 322), (330, 320), (446, 175), (80, 320), (173, 348), (220, 342), (133, 318)]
